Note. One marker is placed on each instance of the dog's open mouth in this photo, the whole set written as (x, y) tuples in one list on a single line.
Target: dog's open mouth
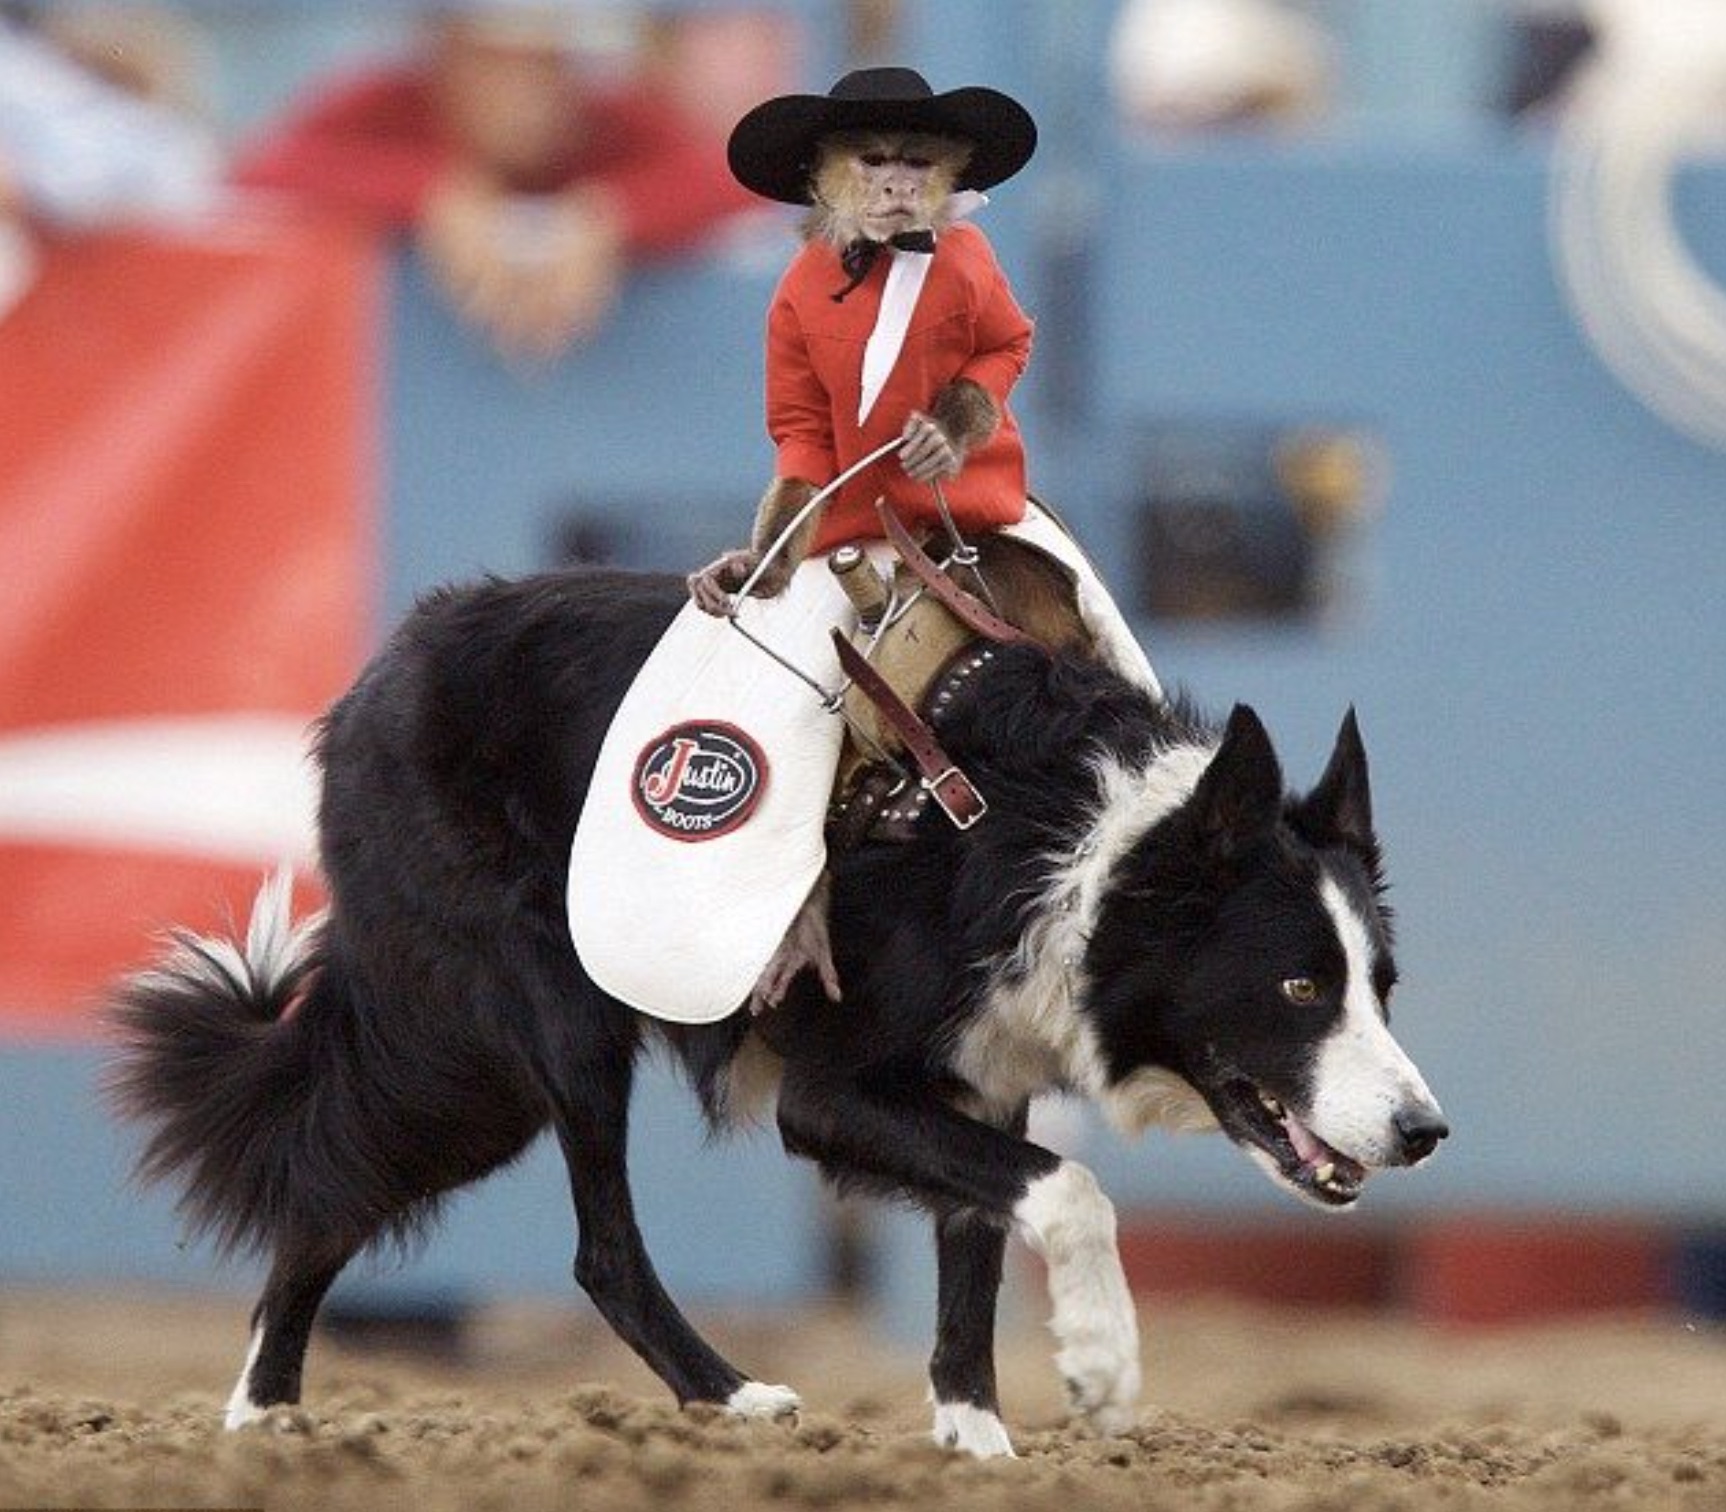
[(1304, 1160)]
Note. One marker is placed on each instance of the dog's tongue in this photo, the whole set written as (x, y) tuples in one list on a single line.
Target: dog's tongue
[(1314, 1152), (1308, 1145)]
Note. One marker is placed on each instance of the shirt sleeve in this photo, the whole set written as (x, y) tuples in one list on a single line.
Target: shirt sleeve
[(1002, 334), (667, 181), (799, 408)]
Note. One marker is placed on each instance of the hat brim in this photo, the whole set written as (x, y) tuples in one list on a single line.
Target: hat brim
[(772, 149)]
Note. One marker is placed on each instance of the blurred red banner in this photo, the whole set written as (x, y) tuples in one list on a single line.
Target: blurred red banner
[(188, 484)]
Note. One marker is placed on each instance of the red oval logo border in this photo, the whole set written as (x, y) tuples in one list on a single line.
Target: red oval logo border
[(697, 733)]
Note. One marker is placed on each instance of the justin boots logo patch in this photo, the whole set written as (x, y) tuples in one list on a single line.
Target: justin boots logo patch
[(699, 780)]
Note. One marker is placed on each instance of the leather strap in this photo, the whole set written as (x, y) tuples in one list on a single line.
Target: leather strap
[(942, 780), (884, 804), (965, 607)]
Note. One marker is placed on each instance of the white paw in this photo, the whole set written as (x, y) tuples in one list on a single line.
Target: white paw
[(1102, 1379), (756, 1399), (241, 1408), (972, 1430), (241, 1414)]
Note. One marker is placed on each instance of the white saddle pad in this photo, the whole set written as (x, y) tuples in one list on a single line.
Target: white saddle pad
[(1097, 607), (702, 832)]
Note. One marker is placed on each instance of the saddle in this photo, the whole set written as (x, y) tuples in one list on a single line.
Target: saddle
[(921, 633)]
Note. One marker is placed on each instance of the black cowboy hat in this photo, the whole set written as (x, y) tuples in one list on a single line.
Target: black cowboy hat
[(772, 149)]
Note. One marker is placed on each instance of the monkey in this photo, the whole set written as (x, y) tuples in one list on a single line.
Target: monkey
[(866, 188)]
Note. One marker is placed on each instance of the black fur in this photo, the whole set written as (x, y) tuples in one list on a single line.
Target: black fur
[(439, 1019)]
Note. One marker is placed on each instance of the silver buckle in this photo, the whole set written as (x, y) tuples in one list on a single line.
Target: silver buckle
[(931, 786)]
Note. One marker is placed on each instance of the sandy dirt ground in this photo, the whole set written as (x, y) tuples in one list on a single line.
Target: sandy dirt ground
[(110, 1401)]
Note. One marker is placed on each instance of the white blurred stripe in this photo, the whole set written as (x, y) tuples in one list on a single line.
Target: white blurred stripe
[(231, 787)]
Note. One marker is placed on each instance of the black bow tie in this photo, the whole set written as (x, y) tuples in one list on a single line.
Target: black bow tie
[(859, 257)]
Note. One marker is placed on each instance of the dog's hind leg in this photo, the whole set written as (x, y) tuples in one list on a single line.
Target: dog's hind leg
[(913, 1144), (281, 1330), (612, 1266), (969, 1251)]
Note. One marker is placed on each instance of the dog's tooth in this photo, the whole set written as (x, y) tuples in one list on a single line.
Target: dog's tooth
[(1325, 1173), (1271, 1105)]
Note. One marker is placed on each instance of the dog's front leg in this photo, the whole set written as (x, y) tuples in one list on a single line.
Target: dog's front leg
[(1066, 1219), (969, 1251), (909, 1143)]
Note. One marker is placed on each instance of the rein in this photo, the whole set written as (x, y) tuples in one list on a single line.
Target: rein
[(963, 606)]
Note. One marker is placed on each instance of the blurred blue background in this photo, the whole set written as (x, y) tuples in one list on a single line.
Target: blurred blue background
[(1532, 629)]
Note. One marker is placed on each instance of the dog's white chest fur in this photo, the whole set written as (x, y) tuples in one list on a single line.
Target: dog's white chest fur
[(1028, 1040), (1032, 1035)]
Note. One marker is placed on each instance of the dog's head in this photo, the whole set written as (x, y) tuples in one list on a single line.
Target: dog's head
[(1240, 969)]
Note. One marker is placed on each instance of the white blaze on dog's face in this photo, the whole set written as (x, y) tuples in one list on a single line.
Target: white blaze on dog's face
[(879, 183), (1365, 1094)]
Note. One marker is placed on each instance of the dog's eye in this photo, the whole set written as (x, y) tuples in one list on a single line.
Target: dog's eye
[(1301, 991)]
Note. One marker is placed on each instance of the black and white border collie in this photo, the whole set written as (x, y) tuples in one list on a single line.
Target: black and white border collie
[(1144, 917)]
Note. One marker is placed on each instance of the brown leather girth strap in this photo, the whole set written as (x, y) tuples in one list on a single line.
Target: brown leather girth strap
[(944, 782), (967, 608)]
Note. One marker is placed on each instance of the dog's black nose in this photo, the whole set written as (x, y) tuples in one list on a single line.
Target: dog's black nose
[(1420, 1130)]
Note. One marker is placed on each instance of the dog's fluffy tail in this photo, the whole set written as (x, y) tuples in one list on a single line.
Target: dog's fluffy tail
[(216, 1060)]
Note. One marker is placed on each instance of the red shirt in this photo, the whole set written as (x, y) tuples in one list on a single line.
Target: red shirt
[(376, 145), (966, 325)]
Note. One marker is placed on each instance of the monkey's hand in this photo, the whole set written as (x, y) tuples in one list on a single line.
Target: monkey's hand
[(713, 586), (964, 415), (929, 453)]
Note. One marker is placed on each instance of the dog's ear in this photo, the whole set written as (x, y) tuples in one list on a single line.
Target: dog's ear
[(1239, 799), (1339, 810)]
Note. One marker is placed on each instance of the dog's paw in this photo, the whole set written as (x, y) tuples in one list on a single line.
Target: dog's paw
[(971, 1430), (241, 1414), (756, 1399), (1102, 1380), (283, 1418)]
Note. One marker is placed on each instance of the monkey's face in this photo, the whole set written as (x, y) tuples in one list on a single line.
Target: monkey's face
[(878, 183)]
